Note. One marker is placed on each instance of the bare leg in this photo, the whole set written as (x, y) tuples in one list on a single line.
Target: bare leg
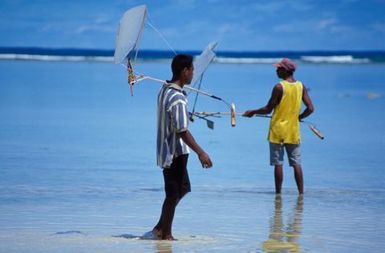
[(176, 185), (157, 230), (278, 175), (298, 178), (163, 228), (168, 212)]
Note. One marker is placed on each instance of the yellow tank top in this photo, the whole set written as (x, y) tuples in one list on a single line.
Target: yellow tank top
[(284, 124)]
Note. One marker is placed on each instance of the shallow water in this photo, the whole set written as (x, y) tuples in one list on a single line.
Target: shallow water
[(77, 163), (231, 220)]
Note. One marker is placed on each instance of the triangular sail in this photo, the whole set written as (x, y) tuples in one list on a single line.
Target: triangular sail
[(129, 32), (202, 61)]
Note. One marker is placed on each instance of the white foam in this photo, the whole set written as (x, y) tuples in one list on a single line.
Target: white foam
[(334, 59), (30, 57), (235, 60)]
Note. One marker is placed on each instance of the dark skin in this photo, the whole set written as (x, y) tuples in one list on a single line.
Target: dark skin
[(163, 230), (185, 78), (274, 100)]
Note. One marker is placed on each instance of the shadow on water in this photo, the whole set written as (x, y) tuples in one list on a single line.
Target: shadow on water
[(284, 238), (70, 232), (146, 236)]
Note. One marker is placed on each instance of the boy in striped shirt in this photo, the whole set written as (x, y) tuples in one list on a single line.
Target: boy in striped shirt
[(174, 141)]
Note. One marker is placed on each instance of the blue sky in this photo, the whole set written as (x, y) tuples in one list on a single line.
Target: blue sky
[(192, 24)]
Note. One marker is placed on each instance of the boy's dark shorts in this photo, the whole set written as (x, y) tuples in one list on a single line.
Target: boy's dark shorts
[(176, 180)]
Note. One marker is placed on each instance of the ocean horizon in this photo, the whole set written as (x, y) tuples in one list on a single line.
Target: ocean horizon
[(226, 57)]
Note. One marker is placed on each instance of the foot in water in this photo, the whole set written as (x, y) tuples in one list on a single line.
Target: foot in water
[(169, 238), (157, 233)]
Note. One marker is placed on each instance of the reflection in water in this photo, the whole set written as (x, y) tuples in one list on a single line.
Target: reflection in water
[(162, 246), (281, 238)]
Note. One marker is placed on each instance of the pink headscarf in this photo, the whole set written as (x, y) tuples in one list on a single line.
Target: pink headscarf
[(287, 64)]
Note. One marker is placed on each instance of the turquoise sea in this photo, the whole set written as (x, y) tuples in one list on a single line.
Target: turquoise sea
[(78, 170)]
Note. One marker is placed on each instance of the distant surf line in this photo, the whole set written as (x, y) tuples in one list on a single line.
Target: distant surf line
[(223, 57)]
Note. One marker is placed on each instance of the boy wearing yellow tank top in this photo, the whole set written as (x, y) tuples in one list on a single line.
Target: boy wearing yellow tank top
[(284, 132)]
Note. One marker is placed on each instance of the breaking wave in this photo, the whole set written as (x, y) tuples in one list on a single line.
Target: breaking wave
[(223, 57), (334, 59), (33, 57)]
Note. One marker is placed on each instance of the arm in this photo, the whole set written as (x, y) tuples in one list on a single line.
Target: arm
[(180, 121), (274, 100), (202, 155), (309, 105)]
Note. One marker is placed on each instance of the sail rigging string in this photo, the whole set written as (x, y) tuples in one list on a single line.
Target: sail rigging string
[(160, 34), (196, 98)]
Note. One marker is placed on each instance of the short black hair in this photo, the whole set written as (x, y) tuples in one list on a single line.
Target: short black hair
[(284, 73), (180, 62)]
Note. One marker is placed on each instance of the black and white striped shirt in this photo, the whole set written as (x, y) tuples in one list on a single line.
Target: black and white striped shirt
[(172, 120)]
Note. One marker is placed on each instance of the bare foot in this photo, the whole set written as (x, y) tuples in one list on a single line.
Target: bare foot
[(168, 238), (158, 233)]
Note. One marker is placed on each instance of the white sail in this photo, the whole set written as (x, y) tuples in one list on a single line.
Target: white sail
[(202, 62), (129, 32)]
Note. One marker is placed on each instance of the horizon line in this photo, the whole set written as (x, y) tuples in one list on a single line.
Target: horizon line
[(189, 50)]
